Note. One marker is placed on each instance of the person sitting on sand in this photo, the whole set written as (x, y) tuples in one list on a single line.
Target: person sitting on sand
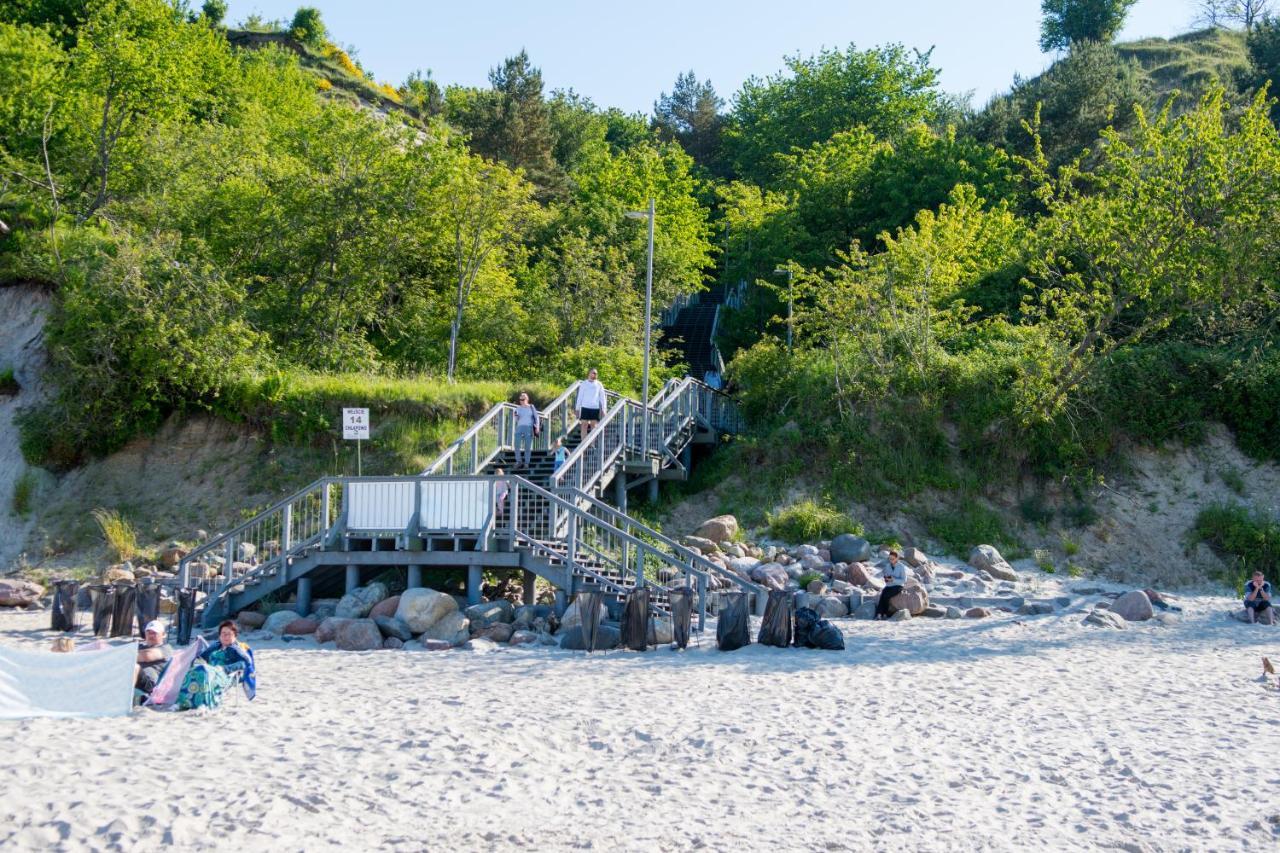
[(895, 578), (212, 673), (153, 657), (1257, 600)]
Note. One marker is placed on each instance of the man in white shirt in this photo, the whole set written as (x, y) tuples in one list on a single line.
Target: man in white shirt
[(590, 404)]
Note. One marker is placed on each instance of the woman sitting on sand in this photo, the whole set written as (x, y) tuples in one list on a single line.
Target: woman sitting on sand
[(213, 672)]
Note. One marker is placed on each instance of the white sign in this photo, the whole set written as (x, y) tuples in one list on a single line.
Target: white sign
[(355, 424)]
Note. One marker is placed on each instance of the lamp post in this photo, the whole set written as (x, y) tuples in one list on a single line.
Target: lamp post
[(648, 322), (789, 274)]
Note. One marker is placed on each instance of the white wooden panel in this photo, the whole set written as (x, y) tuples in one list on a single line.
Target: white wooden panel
[(379, 506), (454, 504)]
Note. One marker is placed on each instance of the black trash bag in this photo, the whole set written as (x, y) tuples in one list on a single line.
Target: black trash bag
[(64, 605), (589, 609), (104, 605), (733, 627), (635, 620), (681, 615), (122, 618), (779, 616), (186, 615), (147, 606), (813, 632)]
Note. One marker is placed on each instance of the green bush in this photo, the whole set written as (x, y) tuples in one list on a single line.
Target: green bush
[(1248, 537), (24, 489), (960, 529), (808, 521), (807, 578), (8, 383), (308, 27)]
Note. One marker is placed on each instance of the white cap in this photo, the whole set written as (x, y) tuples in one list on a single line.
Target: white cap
[(154, 625)]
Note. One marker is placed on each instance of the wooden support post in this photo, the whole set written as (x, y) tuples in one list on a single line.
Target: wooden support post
[(620, 491), (353, 578), (653, 490), (415, 577), (304, 596), (562, 603), (702, 603), (529, 594), (473, 584)]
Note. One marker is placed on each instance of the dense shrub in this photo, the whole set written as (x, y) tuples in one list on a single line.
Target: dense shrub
[(810, 521), (1248, 537)]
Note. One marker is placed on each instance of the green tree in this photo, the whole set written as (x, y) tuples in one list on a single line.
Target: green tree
[(214, 11), (1070, 22), (511, 122), (690, 115), (308, 27), (885, 90)]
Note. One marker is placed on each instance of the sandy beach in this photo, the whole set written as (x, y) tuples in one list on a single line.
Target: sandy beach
[(1008, 733)]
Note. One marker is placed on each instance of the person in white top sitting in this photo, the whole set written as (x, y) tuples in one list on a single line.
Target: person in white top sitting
[(895, 578), (590, 403)]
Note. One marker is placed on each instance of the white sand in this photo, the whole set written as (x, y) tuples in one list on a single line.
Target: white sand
[(1007, 733)]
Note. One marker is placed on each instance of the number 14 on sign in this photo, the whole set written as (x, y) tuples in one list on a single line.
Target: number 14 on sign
[(355, 426)]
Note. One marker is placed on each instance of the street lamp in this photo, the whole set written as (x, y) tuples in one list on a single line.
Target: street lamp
[(787, 270), (648, 311)]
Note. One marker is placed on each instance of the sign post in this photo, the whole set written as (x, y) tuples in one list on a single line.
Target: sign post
[(355, 426)]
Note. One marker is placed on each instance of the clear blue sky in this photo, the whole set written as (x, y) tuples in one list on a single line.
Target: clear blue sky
[(625, 54)]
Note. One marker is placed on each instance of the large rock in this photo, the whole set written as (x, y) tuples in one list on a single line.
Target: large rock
[(172, 555), (527, 614), (1133, 606), (491, 613), (985, 558), (771, 575), (718, 529), (303, 626), (1105, 619), (607, 637), (327, 631), (706, 546), (251, 619), (523, 638), (977, 613), (385, 607), (390, 626), (358, 635), (422, 608), (831, 607), (912, 598), (573, 619), (742, 566), (19, 593), (901, 615), (847, 548), (119, 572), (276, 621), (914, 557), (860, 574), (393, 643), (453, 628), (360, 601), (817, 587), (499, 632), (954, 613), (246, 552)]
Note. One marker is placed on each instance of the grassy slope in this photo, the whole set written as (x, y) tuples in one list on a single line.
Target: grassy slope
[(1190, 63)]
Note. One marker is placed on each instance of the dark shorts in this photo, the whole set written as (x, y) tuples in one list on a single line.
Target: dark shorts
[(589, 415), (1258, 604)]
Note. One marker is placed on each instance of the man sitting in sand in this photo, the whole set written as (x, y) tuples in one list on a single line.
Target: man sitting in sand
[(1257, 600), (153, 655)]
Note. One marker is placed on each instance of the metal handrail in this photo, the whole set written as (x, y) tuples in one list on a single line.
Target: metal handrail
[(576, 463), (685, 552)]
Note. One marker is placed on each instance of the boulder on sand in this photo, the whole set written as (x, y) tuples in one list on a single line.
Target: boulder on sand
[(1105, 619), (986, 558), (490, 613), (1133, 606), (301, 627), (718, 529), (421, 608), (360, 601), (327, 631), (358, 635), (251, 619), (499, 632), (19, 593), (848, 548), (607, 637), (453, 628), (385, 607), (276, 621), (390, 626), (912, 598), (914, 557)]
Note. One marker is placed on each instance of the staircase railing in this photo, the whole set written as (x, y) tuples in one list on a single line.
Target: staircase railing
[(629, 525), (472, 451), (586, 466), (264, 544), (603, 553)]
